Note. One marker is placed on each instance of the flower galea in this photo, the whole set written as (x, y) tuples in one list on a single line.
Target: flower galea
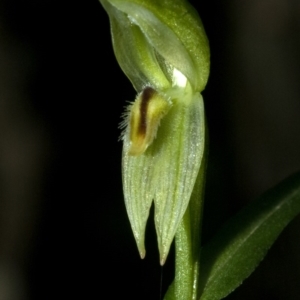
[(162, 48)]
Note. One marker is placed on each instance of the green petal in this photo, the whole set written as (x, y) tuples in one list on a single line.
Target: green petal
[(133, 52), (153, 37), (166, 172)]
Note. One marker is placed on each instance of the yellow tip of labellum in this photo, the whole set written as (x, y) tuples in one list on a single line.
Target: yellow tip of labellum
[(145, 115)]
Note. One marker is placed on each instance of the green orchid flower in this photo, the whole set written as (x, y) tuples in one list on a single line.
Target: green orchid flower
[(162, 48)]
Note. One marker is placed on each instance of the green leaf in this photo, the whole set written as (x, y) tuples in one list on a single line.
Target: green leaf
[(237, 249)]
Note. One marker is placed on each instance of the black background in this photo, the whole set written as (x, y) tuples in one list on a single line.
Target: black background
[(60, 78)]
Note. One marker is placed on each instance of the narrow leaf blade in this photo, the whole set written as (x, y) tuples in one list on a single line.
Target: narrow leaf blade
[(238, 248)]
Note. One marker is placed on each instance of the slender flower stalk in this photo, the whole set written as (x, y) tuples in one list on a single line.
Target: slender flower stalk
[(162, 48)]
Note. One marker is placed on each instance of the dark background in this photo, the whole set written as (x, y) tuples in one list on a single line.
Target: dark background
[(63, 225)]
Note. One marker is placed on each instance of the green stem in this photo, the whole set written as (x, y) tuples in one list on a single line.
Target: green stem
[(184, 264)]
